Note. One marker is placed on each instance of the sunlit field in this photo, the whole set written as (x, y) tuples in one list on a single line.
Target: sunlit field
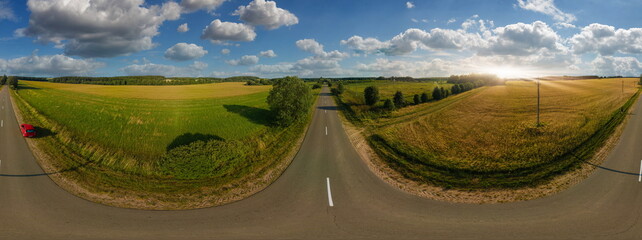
[(134, 138), (489, 138)]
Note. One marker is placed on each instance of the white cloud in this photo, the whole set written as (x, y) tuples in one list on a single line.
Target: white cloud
[(314, 47), (410, 5), (184, 52), (183, 28), (386, 67), (452, 20), (225, 51), (194, 5), (365, 45), (267, 14), (606, 40), (522, 39), (244, 61), (268, 54), (6, 12), (219, 32), (193, 70), (100, 28), (562, 25), (414, 20), (51, 65), (622, 66), (322, 63), (547, 7)]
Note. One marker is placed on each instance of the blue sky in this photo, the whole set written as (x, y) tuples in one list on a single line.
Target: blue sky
[(511, 38)]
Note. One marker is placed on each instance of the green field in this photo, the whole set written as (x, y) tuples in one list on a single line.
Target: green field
[(164, 148), (487, 138)]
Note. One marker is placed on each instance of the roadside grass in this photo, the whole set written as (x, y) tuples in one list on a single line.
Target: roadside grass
[(487, 138), (167, 154)]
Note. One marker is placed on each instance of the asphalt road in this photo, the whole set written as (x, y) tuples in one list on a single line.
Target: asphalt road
[(297, 205)]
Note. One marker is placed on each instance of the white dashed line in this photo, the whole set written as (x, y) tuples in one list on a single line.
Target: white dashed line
[(329, 193)]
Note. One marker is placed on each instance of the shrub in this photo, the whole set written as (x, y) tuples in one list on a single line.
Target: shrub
[(13, 82), (3, 80), (436, 94), (424, 97), (316, 85), (398, 99), (389, 105), (289, 100), (371, 95), (416, 99), (340, 88)]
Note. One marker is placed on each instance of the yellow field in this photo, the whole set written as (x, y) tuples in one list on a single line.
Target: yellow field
[(492, 133), (173, 92)]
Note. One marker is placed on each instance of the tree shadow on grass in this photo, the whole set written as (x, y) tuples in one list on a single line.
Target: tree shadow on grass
[(188, 138), (255, 115), (43, 132)]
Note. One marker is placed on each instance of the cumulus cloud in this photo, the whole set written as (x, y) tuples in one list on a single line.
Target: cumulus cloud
[(622, 66), (522, 39), (386, 67), (244, 61), (314, 47), (100, 28), (225, 51), (219, 32), (266, 14), (322, 63), (6, 12), (183, 28), (546, 7), (192, 70), (606, 40), (365, 45), (195, 5), (51, 65), (410, 5), (268, 54), (184, 52)]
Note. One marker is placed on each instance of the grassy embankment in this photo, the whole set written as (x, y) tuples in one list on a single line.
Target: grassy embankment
[(170, 146), (487, 138)]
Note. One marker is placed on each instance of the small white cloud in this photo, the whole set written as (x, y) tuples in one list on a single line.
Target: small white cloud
[(268, 54), (219, 32), (267, 14), (225, 51), (184, 52), (51, 65), (414, 20), (452, 20), (410, 5), (195, 5), (183, 28), (244, 61), (547, 7), (198, 65), (310, 45), (6, 12)]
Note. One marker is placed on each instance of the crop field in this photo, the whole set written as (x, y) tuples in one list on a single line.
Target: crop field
[(488, 137), (182, 92), (180, 144)]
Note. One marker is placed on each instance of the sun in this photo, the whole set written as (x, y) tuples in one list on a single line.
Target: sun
[(505, 72)]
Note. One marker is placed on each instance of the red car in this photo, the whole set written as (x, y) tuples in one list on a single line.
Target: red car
[(27, 130)]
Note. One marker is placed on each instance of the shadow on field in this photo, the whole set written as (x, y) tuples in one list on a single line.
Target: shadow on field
[(188, 138), (43, 132), (255, 115), (47, 173), (21, 87)]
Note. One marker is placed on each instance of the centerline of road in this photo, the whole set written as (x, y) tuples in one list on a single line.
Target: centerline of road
[(330, 202)]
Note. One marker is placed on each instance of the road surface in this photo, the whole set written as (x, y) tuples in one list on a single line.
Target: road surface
[(299, 206)]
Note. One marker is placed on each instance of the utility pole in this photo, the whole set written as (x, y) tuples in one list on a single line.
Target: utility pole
[(538, 102)]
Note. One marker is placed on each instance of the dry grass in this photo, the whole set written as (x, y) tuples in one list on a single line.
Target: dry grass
[(179, 92)]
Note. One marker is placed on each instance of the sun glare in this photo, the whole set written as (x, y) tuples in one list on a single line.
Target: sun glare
[(506, 72)]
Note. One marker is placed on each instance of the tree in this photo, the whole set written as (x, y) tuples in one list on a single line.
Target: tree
[(444, 92), (436, 93), (456, 89), (424, 97), (340, 88), (13, 82), (371, 95), (3, 80), (398, 100), (389, 105), (416, 99), (289, 100), (316, 85)]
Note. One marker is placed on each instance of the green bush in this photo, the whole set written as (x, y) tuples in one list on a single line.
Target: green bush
[(371, 95), (389, 105)]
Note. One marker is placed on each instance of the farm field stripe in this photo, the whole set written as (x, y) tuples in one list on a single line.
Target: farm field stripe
[(330, 202)]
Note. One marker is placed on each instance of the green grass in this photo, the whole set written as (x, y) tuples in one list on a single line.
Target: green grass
[(163, 150), (487, 138)]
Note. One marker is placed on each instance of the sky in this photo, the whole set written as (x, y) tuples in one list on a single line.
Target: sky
[(329, 38)]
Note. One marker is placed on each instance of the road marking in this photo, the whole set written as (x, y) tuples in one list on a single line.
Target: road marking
[(329, 193), (1, 123), (640, 178), (326, 133), (325, 111)]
